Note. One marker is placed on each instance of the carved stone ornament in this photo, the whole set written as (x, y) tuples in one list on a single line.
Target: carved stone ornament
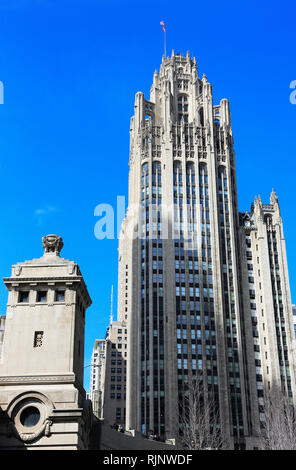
[(43, 430), (71, 269), (248, 221), (17, 270), (52, 244), (38, 379)]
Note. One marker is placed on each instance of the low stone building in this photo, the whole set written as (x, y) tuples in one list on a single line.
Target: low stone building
[(42, 398)]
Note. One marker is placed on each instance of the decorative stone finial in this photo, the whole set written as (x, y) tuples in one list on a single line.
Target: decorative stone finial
[(52, 245), (273, 196)]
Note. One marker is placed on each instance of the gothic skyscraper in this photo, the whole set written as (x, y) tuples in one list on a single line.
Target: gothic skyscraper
[(184, 275)]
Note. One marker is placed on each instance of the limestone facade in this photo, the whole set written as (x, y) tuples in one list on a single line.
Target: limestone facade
[(42, 399), (266, 305), (97, 377), (184, 249)]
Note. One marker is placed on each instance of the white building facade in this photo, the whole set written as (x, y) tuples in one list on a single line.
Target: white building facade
[(97, 376), (186, 296), (42, 400)]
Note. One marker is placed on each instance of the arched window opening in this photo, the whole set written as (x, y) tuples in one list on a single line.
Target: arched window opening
[(177, 172), (268, 220), (182, 108), (201, 117)]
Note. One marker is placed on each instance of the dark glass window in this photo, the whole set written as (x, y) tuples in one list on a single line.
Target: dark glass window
[(24, 296), (41, 296), (30, 416), (60, 296)]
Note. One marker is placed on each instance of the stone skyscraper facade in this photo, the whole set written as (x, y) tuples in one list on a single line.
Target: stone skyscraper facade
[(267, 309), (97, 376), (195, 304)]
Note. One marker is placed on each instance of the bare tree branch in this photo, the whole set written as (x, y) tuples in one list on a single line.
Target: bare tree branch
[(199, 420), (279, 425)]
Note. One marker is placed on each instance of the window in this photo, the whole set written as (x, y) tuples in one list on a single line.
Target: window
[(41, 296), (30, 416), (60, 296), (24, 296), (38, 339), (182, 108)]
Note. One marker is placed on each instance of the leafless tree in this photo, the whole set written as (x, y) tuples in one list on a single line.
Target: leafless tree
[(279, 425), (199, 420)]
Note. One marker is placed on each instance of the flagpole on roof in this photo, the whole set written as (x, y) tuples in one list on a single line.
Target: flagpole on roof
[(164, 30)]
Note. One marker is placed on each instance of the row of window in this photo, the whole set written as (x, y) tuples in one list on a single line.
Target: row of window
[(23, 296), (117, 353), (117, 378), (118, 396), (119, 370)]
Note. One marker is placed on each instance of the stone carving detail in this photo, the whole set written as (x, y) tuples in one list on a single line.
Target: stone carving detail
[(44, 429), (71, 269), (52, 244), (38, 339), (42, 378), (17, 270), (247, 220)]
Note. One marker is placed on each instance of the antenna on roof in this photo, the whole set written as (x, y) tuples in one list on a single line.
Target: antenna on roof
[(111, 312)]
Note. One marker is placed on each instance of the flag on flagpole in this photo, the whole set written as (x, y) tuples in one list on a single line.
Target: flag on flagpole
[(163, 26)]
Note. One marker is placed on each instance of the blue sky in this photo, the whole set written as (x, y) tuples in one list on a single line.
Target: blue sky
[(70, 70)]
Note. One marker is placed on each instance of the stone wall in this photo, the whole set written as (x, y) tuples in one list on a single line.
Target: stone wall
[(111, 439)]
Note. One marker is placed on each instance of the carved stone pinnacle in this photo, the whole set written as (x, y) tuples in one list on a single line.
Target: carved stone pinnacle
[(52, 244)]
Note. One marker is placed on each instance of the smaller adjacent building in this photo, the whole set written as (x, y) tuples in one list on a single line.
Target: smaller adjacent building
[(97, 380), (108, 374), (269, 332), (43, 404)]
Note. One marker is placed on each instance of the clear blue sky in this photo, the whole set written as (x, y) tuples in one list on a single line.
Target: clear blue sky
[(70, 70)]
